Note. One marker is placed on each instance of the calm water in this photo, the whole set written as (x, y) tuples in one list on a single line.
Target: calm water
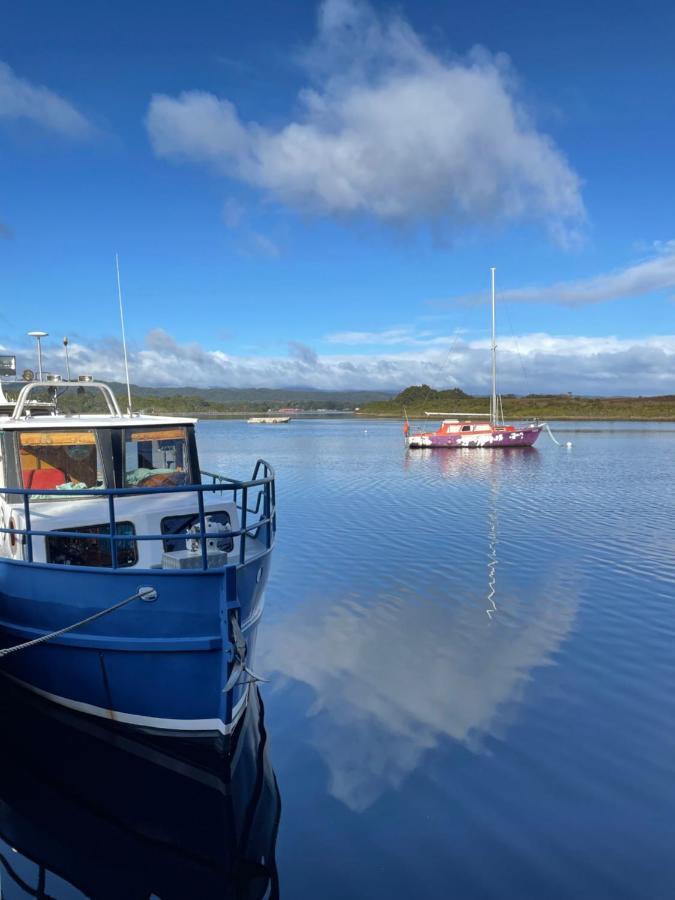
[(471, 663)]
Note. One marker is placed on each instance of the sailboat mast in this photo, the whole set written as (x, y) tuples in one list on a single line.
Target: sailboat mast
[(493, 398)]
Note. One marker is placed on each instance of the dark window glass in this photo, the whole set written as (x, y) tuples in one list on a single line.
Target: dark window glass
[(69, 551)]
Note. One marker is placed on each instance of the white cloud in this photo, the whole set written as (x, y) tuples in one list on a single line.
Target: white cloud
[(389, 129), (531, 363), (388, 336), (19, 99), (656, 273)]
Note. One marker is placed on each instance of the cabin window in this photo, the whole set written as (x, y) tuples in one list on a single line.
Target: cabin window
[(92, 551), (60, 460), (155, 456), (171, 525), (466, 427)]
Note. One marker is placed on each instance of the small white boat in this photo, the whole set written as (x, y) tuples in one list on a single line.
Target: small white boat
[(268, 420)]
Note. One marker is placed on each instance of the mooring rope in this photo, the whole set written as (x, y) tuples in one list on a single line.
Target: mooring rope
[(143, 593), (550, 434)]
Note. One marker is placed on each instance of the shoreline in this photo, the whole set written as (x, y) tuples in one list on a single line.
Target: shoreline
[(418, 418)]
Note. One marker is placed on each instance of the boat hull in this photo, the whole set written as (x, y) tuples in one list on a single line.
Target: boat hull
[(524, 437), (158, 665)]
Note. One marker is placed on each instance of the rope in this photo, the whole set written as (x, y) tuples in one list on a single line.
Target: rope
[(144, 593), (550, 434)]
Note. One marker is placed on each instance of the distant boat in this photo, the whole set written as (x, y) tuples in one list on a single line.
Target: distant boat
[(467, 429), (268, 420)]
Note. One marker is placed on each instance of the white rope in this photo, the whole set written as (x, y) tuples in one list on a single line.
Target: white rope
[(550, 434), (144, 593)]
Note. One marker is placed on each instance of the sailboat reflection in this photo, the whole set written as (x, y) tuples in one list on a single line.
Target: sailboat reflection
[(493, 522), (86, 811)]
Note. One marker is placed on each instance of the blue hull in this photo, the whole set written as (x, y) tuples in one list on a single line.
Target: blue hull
[(154, 665)]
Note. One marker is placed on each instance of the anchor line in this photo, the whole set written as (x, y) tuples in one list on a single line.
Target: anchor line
[(550, 434), (143, 593), (237, 653)]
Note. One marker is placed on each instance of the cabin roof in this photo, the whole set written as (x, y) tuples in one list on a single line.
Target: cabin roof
[(90, 421)]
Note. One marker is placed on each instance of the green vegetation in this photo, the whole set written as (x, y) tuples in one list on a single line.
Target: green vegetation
[(207, 401), (418, 399), (415, 400)]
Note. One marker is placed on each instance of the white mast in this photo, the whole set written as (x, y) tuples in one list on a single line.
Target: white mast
[(494, 409), (124, 337)]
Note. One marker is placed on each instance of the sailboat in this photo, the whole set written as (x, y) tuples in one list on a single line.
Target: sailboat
[(477, 429)]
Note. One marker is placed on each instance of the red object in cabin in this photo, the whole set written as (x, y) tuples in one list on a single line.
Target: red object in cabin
[(47, 479)]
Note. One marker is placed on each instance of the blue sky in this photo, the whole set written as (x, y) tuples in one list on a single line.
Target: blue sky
[(313, 194)]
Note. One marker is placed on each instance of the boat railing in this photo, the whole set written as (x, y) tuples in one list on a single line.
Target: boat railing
[(256, 521)]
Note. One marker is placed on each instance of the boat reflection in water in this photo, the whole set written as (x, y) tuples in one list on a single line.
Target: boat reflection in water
[(125, 816)]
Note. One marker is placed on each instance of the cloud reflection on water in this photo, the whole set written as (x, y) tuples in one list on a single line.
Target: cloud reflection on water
[(394, 674)]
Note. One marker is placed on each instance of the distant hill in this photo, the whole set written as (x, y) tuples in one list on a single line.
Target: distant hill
[(418, 399), (213, 401), (191, 399)]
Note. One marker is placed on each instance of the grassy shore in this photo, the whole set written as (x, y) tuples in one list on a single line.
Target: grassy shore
[(418, 399)]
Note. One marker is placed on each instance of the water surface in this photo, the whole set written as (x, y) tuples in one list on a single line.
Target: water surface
[(471, 659)]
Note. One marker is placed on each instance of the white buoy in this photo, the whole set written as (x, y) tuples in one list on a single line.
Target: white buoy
[(568, 444)]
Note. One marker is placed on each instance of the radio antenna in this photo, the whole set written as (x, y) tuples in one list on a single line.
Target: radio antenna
[(65, 344), (124, 337)]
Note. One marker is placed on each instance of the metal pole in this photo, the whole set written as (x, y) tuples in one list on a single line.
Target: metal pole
[(38, 335), (29, 536), (113, 531), (124, 337), (493, 398), (202, 530), (65, 344), (242, 537)]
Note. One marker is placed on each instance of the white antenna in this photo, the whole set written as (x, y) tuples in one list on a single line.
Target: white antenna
[(38, 335), (124, 337)]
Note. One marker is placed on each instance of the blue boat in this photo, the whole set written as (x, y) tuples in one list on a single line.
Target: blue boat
[(131, 581)]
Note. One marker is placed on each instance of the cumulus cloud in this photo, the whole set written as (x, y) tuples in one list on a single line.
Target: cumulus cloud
[(386, 128), (648, 276), (527, 363), (20, 99)]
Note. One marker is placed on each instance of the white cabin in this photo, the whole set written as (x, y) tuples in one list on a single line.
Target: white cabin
[(63, 453)]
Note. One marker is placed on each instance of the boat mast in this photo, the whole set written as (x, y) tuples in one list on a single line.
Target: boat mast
[(494, 412)]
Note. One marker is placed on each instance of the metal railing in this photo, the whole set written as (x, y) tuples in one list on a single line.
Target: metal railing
[(262, 527)]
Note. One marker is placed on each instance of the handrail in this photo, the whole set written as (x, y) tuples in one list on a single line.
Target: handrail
[(221, 483), (25, 391)]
